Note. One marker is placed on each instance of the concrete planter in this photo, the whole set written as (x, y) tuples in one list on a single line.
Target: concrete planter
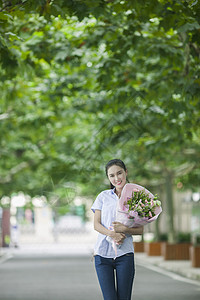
[(195, 256), (176, 251), (153, 248), (138, 247)]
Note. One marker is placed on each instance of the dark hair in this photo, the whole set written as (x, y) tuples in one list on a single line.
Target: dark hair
[(116, 162)]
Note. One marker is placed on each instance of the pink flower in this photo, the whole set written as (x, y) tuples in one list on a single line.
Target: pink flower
[(133, 213), (150, 214), (125, 207), (141, 204)]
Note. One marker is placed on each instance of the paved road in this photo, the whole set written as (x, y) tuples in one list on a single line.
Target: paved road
[(43, 277), (163, 285)]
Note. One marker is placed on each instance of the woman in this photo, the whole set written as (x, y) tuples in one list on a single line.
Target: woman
[(106, 262)]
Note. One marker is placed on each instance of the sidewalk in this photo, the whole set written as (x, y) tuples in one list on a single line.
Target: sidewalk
[(182, 267)]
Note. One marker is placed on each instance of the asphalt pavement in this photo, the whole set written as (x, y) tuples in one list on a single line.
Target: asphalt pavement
[(80, 248), (180, 267), (50, 274)]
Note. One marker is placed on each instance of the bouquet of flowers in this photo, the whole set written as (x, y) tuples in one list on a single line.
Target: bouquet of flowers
[(136, 207)]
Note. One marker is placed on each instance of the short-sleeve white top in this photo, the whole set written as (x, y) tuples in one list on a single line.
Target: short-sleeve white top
[(106, 202)]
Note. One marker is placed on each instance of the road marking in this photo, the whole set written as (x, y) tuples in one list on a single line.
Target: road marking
[(5, 258), (168, 273)]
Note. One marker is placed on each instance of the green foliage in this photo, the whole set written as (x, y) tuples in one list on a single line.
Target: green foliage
[(184, 237), (85, 81)]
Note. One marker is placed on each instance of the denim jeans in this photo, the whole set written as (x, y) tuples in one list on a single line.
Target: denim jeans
[(116, 276)]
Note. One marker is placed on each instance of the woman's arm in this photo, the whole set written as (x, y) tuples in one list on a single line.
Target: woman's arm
[(116, 236), (121, 228)]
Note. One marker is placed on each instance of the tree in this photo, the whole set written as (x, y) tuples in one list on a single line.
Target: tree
[(84, 81)]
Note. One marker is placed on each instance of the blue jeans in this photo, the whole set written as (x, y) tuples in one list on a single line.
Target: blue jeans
[(123, 268)]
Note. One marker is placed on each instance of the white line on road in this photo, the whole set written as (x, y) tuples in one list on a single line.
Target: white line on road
[(168, 273), (5, 257)]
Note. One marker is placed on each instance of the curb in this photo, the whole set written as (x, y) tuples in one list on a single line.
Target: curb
[(182, 268)]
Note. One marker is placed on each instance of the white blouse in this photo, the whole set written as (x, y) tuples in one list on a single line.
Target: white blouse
[(106, 201)]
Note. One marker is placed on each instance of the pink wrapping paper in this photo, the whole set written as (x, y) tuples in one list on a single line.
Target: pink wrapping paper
[(122, 215)]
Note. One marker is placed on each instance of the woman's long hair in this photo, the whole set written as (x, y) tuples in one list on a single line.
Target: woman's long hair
[(115, 162)]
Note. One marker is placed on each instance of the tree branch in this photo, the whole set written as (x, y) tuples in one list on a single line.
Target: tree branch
[(9, 6)]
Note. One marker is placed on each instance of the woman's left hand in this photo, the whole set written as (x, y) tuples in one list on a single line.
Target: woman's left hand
[(119, 227)]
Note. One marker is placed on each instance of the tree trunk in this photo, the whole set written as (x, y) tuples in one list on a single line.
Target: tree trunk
[(6, 227), (170, 208), (157, 231), (157, 226)]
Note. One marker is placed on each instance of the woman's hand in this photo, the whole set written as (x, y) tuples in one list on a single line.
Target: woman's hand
[(119, 227), (117, 237)]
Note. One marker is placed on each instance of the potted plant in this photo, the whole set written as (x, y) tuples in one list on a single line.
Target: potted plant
[(195, 253), (179, 250), (154, 248), (139, 245)]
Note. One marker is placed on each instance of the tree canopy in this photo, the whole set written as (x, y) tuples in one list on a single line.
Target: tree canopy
[(85, 81)]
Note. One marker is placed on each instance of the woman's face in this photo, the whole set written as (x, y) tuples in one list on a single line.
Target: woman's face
[(117, 176)]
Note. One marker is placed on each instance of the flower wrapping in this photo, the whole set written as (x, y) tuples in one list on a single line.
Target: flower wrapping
[(136, 207)]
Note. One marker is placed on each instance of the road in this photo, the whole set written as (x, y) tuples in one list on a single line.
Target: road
[(42, 277)]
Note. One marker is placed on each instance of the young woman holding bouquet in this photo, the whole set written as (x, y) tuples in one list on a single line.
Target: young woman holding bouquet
[(107, 264)]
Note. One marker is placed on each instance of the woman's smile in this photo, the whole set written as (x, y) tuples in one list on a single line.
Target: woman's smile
[(118, 182)]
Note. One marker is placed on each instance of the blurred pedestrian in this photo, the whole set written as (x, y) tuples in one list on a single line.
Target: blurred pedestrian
[(115, 272)]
